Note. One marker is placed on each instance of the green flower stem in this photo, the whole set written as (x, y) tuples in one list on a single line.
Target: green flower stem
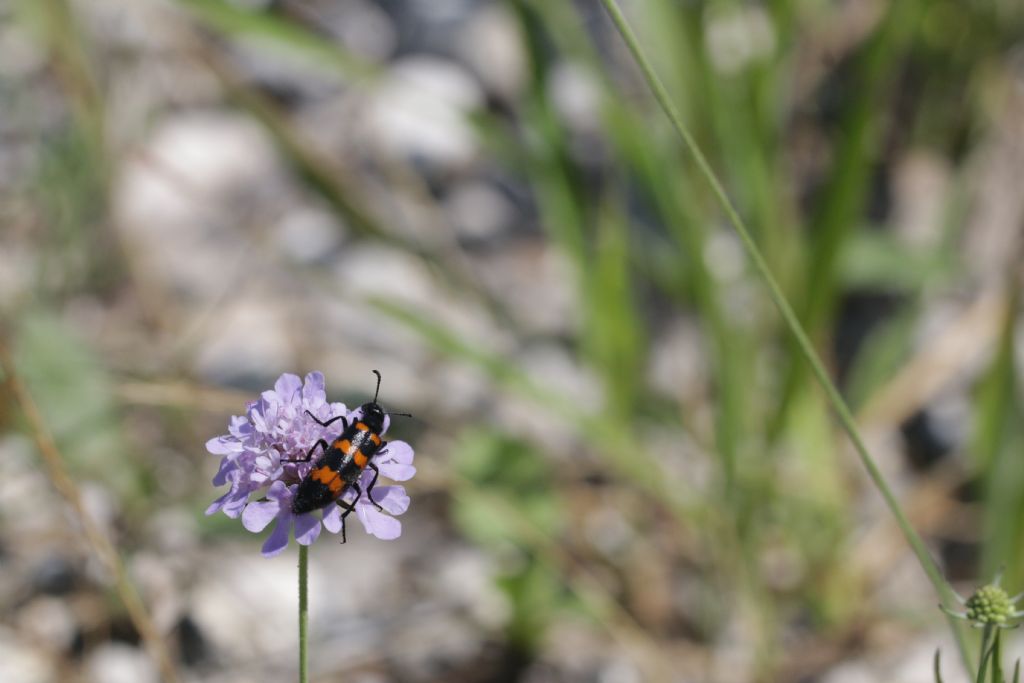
[(946, 593), (303, 613), (987, 648)]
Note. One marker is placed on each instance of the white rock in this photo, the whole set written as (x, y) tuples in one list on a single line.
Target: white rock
[(492, 44), (737, 37), (478, 210), (362, 26), (246, 604), (248, 337), (22, 56), (48, 620), (21, 663), (308, 234), (576, 96), (536, 282), (178, 202), (119, 663), (420, 109)]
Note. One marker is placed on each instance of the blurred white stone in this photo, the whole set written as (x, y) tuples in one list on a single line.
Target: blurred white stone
[(308, 234), (128, 25), (724, 256), (22, 663), (367, 271), (677, 366), (419, 110), (23, 56), (100, 505), (991, 239), (48, 620), (559, 371), (456, 388), (286, 70), (362, 26), (445, 637), (478, 210), (536, 282), (576, 96), (554, 371), (172, 530), (492, 44), (245, 603), (904, 662), (922, 181), (850, 672), (22, 484), (439, 11), (619, 670), (466, 580), (157, 582), (249, 339), (607, 529), (177, 202), (738, 36), (734, 658), (119, 663)]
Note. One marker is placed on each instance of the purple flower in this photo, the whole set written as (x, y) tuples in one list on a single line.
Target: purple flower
[(261, 482)]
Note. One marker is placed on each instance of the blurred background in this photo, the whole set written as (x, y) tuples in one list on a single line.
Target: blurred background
[(626, 472)]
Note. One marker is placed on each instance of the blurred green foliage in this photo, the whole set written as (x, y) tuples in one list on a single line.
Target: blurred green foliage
[(504, 474), (921, 77)]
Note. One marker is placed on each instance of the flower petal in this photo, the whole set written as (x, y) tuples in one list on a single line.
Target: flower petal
[(236, 500), (224, 445), (399, 451), (307, 528), (394, 499), (280, 492), (393, 470), (332, 519), (278, 540), (227, 466), (378, 524), (286, 386), (219, 503), (258, 515), (313, 392)]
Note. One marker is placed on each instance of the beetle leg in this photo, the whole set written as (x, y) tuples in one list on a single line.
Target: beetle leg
[(348, 508), (344, 422), (369, 489)]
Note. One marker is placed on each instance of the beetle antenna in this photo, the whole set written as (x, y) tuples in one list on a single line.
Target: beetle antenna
[(402, 414), (376, 393)]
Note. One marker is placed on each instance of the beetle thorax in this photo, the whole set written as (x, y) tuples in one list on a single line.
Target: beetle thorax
[(373, 417)]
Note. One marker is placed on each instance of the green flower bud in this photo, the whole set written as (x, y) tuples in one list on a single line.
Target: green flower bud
[(990, 605)]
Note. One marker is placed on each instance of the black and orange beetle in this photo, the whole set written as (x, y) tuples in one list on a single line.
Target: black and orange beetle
[(342, 462)]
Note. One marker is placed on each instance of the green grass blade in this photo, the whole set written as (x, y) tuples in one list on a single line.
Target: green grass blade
[(229, 19)]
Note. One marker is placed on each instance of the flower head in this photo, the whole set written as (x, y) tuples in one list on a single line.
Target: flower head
[(264, 457), (989, 606)]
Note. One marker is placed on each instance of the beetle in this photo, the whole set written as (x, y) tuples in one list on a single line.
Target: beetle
[(343, 462)]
